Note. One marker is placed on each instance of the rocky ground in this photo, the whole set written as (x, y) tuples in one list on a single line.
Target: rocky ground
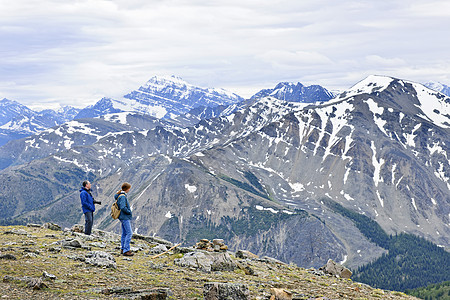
[(45, 262)]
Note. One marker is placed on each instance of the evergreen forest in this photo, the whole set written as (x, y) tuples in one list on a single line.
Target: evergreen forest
[(411, 261)]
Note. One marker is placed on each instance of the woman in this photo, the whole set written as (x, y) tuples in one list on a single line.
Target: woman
[(125, 218)]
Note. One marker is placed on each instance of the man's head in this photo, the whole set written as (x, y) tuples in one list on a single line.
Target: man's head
[(87, 184)]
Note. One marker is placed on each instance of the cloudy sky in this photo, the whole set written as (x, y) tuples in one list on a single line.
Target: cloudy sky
[(76, 52)]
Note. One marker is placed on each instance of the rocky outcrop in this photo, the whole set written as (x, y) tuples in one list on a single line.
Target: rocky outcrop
[(207, 261), (225, 291), (336, 269), (100, 259)]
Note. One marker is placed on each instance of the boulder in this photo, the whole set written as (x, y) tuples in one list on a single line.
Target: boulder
[(17, 231), (52, 226), (160, 248), (280, 294), (244, 254), (225, 291), (77, 228), (336, 269), (100, 259), (207, 261), (8, 256), (272, 260), (70, 243)]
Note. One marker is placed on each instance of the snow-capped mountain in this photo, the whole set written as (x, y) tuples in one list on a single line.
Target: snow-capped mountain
[(440, 87), (72, 134), (17, 120), (286, 91), (163, 97), (296, 92), (380, 149)]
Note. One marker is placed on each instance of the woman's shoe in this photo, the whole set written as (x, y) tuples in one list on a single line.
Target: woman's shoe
[(128, 253)]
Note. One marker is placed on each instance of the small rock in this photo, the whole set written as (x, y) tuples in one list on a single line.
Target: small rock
[(98, 245), (246, 268), (116, 290), (77, 258), (72, 243), (54, 249), (47, 275), (218, 242), (52, 226), (160, 248), (244, 254), (272, 260), (17, 231), (8, 256), (34, 225), (78, 228), (183, 250), (30, 255)]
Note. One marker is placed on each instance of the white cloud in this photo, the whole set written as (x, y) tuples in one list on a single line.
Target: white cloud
[(77, 52)]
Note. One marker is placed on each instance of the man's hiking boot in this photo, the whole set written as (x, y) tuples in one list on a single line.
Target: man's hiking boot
[(128, 253)]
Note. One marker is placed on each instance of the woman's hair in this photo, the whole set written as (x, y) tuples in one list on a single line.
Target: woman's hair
[(125, 186)]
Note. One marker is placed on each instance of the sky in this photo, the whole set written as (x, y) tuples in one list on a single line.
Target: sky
[(55, 52)]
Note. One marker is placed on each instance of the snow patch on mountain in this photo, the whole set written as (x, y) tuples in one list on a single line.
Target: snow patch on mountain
[(436, 109), (117, 118)]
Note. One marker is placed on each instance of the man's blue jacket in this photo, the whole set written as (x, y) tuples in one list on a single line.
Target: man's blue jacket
[(87, 201)]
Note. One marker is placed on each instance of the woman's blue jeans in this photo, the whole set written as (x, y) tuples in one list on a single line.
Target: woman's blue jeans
[(126, 235)]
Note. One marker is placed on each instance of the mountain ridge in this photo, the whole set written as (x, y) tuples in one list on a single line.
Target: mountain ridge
[(45, 262)]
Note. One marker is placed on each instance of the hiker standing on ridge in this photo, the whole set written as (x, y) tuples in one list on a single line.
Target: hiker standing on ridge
[(88, 206), (125, 218)]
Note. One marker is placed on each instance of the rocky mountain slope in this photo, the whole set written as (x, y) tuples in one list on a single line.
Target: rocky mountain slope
[(260, 176), (43, 262)]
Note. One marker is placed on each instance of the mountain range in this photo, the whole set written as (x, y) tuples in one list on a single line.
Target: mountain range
[(18, 121), (167, 97), (262, 175)]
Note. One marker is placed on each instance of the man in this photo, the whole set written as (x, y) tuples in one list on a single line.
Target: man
[(88, 206)]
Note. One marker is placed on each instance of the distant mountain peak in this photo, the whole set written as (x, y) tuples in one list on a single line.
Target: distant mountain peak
[(371, 84), (296, 92), (439, 87), (164, 80)]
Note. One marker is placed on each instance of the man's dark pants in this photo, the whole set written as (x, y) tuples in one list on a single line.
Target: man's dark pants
[(89, 221)]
